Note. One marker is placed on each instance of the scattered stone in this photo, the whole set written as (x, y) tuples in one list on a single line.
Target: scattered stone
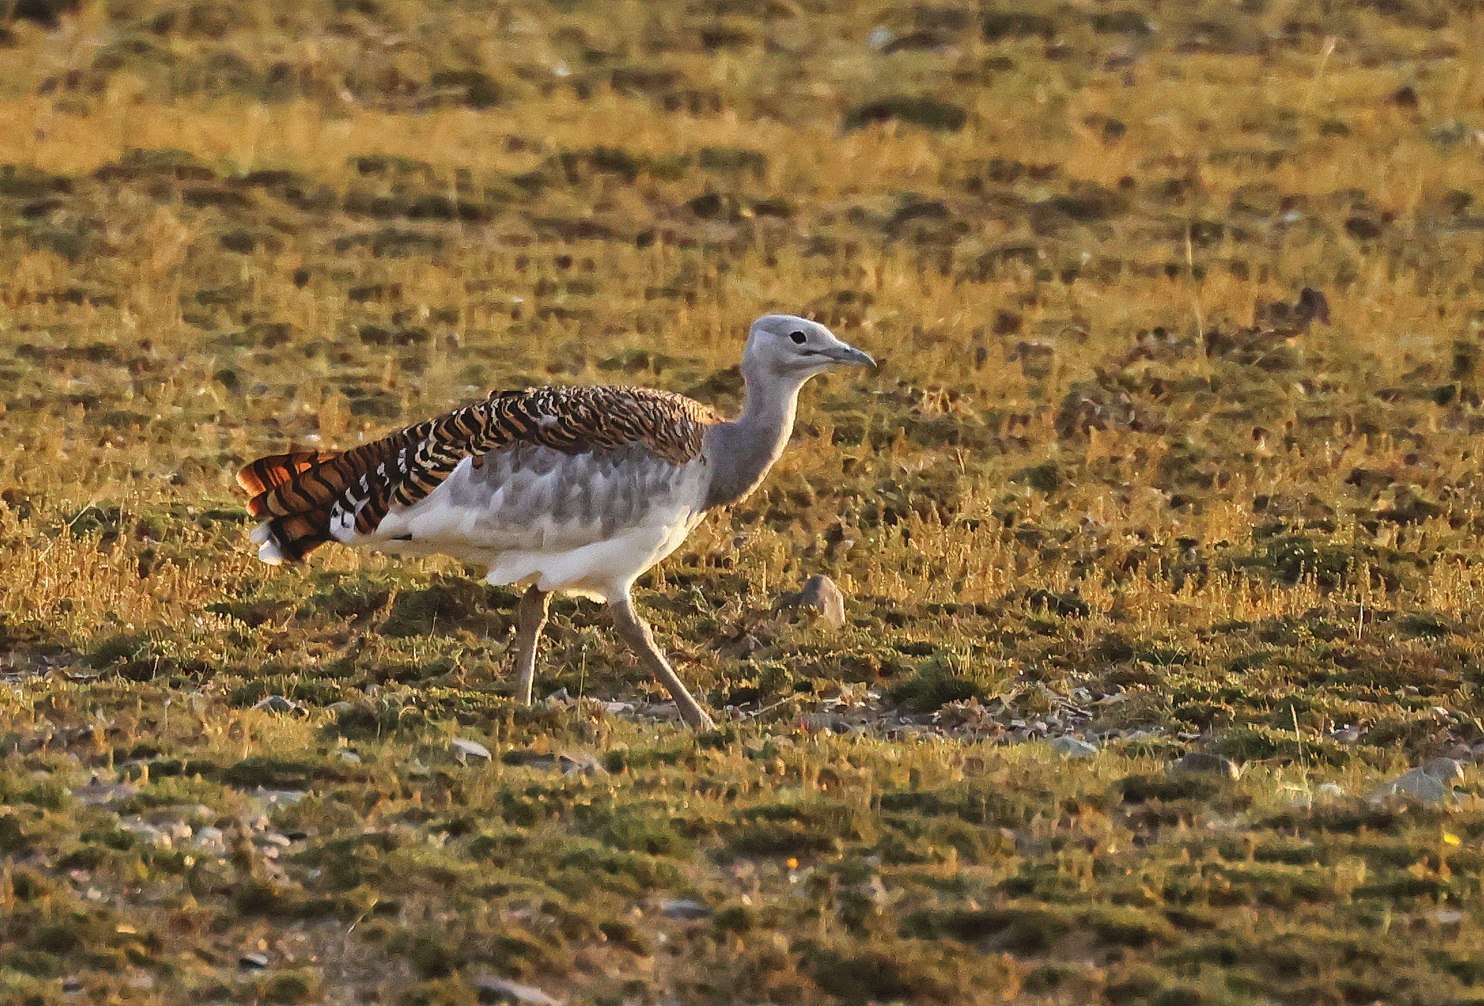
[(820, 594), (145, 831), (272, 798), (348, 756), (579, 765), (822, 721), (471, 749), (1444, 769), (1329, 790), (97, 794), (659, 712), (1417, 784), (253, 962), (687, 909), (503, 990), (1073, 747), (177, 831), (277, 704), (1204, 762)]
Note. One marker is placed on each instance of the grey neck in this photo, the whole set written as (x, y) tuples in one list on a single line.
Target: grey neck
[(740, 452)]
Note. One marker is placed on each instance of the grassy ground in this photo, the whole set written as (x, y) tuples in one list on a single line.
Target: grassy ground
[(1100, 489)]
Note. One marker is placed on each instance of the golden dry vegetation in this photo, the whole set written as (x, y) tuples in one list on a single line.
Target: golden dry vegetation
[(1119, 481)]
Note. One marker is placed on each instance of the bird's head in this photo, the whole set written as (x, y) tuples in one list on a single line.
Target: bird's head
[(787, 346)]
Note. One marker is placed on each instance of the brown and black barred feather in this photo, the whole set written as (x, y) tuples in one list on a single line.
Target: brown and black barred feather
[(297, 493)]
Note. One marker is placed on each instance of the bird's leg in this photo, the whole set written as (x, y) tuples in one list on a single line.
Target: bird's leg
[(635, 632), (530, 617)]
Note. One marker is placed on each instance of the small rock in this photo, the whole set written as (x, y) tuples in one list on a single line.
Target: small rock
[(145, 831), (685, 908), (253, 962), (1416, 784), (1444, 769), (1330, 790), (1073, 747), (276, 797), (578, 765), (178, 831), (662, 712), (98, 794), (348, 756), (503, 990), (276, 704), (1204, 762), (471, 749), (820, 594)]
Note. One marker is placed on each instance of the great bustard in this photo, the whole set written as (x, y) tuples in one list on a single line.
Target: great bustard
[(575, 489)]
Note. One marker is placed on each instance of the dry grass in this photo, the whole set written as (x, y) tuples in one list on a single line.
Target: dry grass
[(1086, 494)]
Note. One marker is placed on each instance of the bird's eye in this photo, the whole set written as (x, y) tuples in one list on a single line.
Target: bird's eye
[(797, 337)]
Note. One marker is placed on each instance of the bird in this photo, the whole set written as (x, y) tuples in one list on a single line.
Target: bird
[(576, 490)]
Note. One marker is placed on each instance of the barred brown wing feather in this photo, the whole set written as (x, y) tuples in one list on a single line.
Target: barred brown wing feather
[(301, 492)]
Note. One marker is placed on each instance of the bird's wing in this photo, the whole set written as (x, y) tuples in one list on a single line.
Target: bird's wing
[(296, 493)]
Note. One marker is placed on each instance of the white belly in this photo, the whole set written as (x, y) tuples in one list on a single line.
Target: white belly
[(600, 570)]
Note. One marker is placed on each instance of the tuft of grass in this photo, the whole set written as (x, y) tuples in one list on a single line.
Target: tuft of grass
[(946, 678)]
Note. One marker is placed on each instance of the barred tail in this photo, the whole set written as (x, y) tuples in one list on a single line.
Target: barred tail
[(294, 496)]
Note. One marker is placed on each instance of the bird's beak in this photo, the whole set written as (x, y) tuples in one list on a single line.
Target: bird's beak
[(848, 354)]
